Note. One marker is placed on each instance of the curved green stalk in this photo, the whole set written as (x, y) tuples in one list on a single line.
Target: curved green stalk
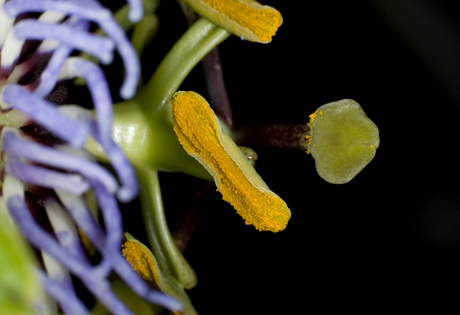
[(197, 41), (166, 252), (144, 31)]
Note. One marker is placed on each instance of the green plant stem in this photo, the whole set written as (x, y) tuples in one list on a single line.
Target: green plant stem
[(143, 33), (212, 69), (166, 252), (196, 42)]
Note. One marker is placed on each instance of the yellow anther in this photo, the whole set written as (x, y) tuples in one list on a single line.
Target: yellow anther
[(145, 264), (247, 19), (200, 134), (140, 259)]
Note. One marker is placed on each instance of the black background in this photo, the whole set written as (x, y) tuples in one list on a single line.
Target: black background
[(391, 236)]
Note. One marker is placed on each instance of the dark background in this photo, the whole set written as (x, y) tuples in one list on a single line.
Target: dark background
[(391, 236)]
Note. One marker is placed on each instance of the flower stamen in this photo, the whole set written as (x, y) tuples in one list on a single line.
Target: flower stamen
[(139, 258), (247, 19), (200, 134)]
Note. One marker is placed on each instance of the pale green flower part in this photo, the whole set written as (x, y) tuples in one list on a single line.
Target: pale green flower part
[(20, 289), (342, 140)]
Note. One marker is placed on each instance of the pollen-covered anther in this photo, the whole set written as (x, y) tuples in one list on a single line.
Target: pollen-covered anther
[(200, 134), (247, 19), (140, 259)]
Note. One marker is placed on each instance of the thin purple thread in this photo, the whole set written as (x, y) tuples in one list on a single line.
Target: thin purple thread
[(122, 166), (49, 76), (13, 145), (44, 177), (101, 16), (80, 213), (67, 299), (46, 114), (98, 46), (41, 240), (100, 94)]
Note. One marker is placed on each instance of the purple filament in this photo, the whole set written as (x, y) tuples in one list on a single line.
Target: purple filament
[(46, 114), (13, 145), (125, 171), (88, 225), (122, 166), (80, 213), (84, 219), (41, 240), (64, 229), (40, 176), (136, 10), (66, 298), (99, 15), (109, 245), (73, 246), (100, 94), (50, 75), (112, 219), (98, 46)]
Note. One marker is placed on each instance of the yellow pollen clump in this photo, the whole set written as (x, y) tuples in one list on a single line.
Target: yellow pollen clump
[(312, 117), (307, 137), (140, 260), (200, 134), (262, 22), (245, 18)]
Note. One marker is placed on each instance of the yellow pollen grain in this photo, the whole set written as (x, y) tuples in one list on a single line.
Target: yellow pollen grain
[(262, 22), (198, 132), (140, 261), (312, 117)]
